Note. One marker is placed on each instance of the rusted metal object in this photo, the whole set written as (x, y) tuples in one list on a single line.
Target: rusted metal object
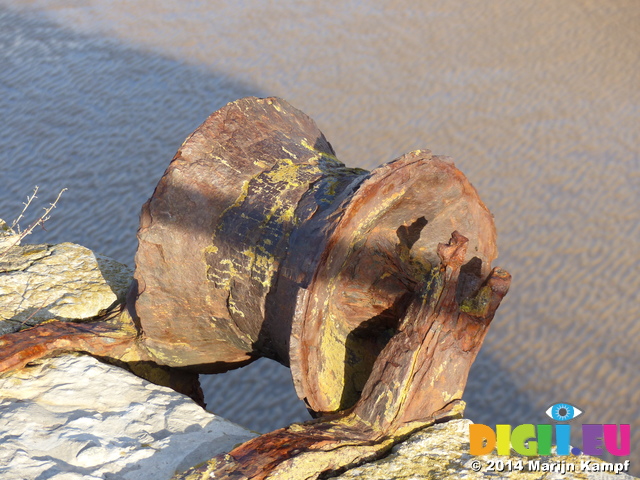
[(417, 379), (261, 242), (234, 228), (376, 288)]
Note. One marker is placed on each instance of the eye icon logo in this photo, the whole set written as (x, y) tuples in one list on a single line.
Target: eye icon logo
[(563, 412), (531, 440)]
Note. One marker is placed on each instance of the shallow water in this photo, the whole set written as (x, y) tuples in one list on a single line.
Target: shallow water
[(538, 104)]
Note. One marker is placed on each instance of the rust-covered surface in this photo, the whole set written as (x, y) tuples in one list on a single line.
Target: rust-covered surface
[(376, 288), (214, 237), (378, 257), (417, 379)]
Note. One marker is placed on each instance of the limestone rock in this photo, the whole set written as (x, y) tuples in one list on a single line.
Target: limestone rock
[(442, 451), (8, 237), (64, 282), (73, 417)]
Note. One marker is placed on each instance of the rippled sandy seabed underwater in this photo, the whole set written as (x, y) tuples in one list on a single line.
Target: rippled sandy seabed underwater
[(538, 102)]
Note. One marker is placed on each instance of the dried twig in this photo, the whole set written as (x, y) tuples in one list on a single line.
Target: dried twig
[(16, 223), (40, 221)]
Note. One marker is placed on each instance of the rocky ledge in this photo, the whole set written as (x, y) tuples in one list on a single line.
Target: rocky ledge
[(73, 417), (57, 282)]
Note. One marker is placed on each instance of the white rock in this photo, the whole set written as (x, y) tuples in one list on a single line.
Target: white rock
[(64, 282), (73, 417)]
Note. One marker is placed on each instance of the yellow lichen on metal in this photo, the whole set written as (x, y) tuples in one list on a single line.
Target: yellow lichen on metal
[(260, 265), (331, 374), (264, 226), (244, 191), (285, 172), (305, 143), (231, 271), (291, 154), (477, 305)]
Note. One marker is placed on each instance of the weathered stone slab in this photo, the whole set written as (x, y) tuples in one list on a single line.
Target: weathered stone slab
[(442, 451), (62, 282), (73, 417), (8, 237)]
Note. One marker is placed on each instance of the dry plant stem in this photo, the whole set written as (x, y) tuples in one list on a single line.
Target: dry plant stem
[(417, 379), (16, 222), (40, 221)]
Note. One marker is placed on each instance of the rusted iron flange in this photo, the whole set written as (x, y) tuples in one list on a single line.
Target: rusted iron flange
[(381, 252)]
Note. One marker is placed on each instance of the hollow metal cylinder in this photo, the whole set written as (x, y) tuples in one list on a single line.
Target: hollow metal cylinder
[(258, 242)]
